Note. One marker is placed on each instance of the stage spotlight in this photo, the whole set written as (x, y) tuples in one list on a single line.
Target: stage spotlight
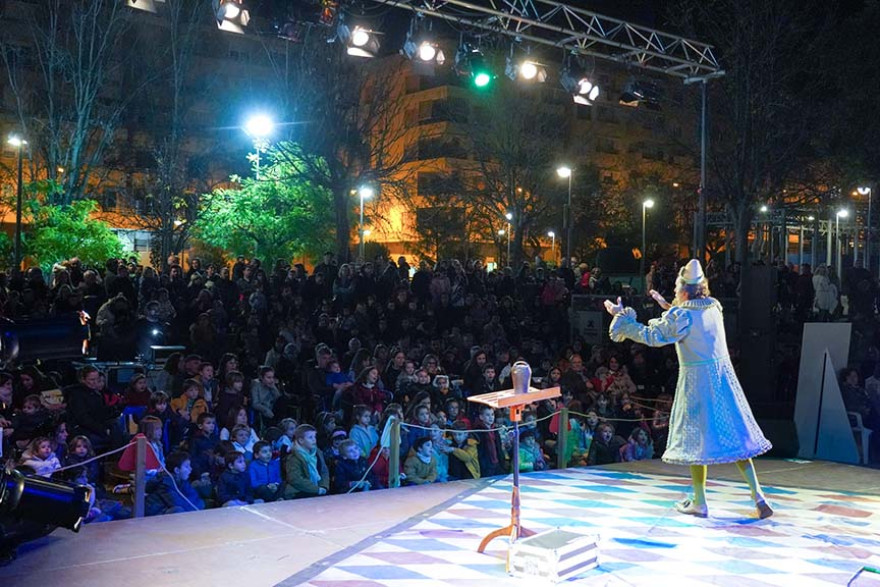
[(471, 63), (359, 41), (640, 93), (42, 500), (232, 15), (424, 50), (577, 83), (527, 69), (145, 5)]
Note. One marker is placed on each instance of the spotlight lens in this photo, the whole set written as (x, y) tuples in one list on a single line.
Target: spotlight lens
[(360, 37), (231, 11), (528, 70), (482, 79), (594, 93), (427, 51), (584, 87)]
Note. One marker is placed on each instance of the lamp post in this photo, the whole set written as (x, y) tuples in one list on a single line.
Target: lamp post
[(649, 203), (509, 217), (552, 235), (565, 172), (867, 191), (18, 142), (840, 214), (501, 232), (365, 193), (259, 127)]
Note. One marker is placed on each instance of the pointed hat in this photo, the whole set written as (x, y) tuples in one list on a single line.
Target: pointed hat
[(692, 272)]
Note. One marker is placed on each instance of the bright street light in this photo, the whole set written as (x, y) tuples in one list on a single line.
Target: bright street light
[(18, 142), (842, 213), (864, 190), (552, 235), (763, 208), (649, 203), (259, 126), (837, 216), (565, 172), (509, 216)]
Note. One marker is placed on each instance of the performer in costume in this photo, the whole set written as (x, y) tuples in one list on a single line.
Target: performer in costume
[(711, 422)]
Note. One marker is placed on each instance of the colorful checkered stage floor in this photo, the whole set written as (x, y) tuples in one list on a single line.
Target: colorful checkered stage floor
[(816, 537)]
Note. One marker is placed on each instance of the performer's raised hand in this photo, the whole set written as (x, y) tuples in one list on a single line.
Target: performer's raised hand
[(613, 308), (661, 301)]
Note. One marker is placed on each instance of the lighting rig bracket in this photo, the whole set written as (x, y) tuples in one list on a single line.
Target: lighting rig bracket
[(578, 31)]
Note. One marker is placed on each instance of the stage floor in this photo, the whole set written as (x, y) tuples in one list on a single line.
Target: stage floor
[(826, 527)]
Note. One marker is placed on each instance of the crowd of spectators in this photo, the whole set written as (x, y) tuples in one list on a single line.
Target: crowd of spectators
[(288, 377)]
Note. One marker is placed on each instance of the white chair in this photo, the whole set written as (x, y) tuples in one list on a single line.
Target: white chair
[(858, 428)]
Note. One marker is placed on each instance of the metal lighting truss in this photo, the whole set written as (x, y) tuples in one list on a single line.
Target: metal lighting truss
[(577, 30)]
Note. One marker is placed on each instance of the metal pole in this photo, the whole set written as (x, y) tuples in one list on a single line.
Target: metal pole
[(644, 247), (361, 227), (704, 139), (814, 242), (18, 205), (553, 247), (829, 243), (140, 463), (508, 244), (394, 455), (837, 236), (868, 230), (801, 249), (569, 222)]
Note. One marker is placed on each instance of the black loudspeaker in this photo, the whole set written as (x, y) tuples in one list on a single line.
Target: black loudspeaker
[(757, 338), (783, 435)]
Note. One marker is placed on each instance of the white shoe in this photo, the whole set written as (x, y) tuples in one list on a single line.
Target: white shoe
[(687, 506), (764, 509)]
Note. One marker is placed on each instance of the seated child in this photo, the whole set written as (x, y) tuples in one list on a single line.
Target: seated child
[(331, 453), (306, 472), (79, 450), (40, 458), (265, 473), (336, 379), (442, 449), (190, 405), (605, 448), (33, 420), (243, 442), (363, 433), (284, 443), (234, 487), (464, 462), (59, 445), (421, 466), (203, 444), (350, 469), (530, 456), (639, 447), (171, 493), (381, 467), (152, 428)]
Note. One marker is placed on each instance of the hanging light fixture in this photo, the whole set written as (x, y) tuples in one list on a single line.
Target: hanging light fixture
[(359, 40), (232, 15), (640, 93), (577, 82), (420, 46), (145, 5), (471, 63), (526, 69)]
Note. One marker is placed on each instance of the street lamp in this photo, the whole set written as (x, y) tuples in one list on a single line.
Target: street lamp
[(365, 192), (552, 235), (867, 191), (18, 142), (649, 203), (259, 127), (566, 172), (840, 214), (509, 217)]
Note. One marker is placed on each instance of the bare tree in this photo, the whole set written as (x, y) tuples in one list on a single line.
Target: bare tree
[(515, 136), (65, 70), (345, 124), (765, 110)]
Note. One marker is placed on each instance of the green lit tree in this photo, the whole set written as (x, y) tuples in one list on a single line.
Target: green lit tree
[(273, 217), (56, 233)]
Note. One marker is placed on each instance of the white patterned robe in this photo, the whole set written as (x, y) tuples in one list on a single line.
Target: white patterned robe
[(711, 421)]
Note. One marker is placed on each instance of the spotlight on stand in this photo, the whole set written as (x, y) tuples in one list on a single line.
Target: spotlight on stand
[(577, 83), (232, 15), (40, 500), (640, 93), (145, 5), (420, 47), (359, 41), (471, 63)]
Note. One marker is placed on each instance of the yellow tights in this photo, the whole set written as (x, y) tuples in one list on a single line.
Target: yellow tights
[(746, 468)]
